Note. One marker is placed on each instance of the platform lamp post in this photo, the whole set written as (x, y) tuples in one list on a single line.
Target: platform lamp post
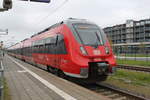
[(3, 32), (1, 72)]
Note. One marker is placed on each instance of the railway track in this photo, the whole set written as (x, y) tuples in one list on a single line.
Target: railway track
[(136, 68), (114, 93)]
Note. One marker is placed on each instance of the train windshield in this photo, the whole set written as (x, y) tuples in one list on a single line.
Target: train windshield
[(89, 34)]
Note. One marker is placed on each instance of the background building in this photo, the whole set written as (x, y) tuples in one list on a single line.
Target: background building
[(130, 37)]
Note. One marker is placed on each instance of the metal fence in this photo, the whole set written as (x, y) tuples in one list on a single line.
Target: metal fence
[(132, 53), (135, 57)]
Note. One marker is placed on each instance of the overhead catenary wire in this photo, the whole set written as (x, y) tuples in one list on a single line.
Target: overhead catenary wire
[(51, 13), (41, 19), (48, 7)]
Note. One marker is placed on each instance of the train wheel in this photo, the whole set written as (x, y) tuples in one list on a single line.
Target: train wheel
[(23, 60), (60, 74), (48, 69), (103, 78)]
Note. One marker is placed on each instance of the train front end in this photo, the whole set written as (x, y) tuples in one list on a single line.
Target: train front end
[(92, 56)]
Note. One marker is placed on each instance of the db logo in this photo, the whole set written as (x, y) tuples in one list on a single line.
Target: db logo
[(96, 52)]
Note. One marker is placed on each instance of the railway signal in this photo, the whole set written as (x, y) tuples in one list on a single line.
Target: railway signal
[(42, 1), (7, 4)]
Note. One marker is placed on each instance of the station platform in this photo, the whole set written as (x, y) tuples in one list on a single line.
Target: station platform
[(27, 82)]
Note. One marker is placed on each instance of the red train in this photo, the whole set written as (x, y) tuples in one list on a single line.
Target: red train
[(75, 47)]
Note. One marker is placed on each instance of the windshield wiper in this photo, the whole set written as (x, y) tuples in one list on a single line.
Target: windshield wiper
[(98, 38)]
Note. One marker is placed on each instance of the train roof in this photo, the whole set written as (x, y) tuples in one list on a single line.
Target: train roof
[(68, 21), (75, 20)]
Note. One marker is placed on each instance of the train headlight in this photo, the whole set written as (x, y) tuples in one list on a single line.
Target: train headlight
[(83, 51), (107, 50)]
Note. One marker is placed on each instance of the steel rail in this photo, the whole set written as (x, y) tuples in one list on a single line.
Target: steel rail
[(113, 92), (126, 93), (137, 68)]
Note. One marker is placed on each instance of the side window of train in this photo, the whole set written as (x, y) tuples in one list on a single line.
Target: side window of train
[(47, 44), (53, 40), (61, 48)]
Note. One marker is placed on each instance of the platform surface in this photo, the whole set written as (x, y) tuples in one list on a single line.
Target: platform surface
[(27, 82)]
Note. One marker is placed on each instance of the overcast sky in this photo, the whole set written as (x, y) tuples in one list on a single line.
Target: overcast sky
[(26, 18)]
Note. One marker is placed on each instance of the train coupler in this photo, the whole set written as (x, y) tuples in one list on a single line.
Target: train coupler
[(103, 68)]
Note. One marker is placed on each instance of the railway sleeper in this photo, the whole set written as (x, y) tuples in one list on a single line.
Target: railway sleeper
[(112, 95), (107, 93), (121, 98), (117, 97)]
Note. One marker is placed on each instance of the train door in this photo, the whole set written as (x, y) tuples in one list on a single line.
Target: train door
[(60, 49)]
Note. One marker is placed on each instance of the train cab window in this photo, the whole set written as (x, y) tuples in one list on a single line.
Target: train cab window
[(60, 38), (89, 34)]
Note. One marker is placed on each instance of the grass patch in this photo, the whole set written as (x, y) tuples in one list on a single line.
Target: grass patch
[(133, 62), (136, 78), (140, 89), (7, 95), (138, 82)]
